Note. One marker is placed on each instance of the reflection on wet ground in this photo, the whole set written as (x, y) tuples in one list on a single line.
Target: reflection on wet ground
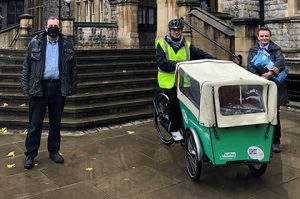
[(130, 162)]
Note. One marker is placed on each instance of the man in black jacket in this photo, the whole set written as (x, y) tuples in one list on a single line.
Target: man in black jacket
[(48, 76), (264, 42)]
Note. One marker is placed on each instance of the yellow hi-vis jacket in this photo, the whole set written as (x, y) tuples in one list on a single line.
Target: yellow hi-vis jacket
[(167, 79)]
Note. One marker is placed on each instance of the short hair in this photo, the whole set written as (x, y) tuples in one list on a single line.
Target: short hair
[(53, 18), (264, 28)]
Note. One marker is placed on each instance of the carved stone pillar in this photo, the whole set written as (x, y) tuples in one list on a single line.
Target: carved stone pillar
[(67, 25), (25, 31), (184, 8), (245, 36), (170, 9), (128, 29), (166, 10)]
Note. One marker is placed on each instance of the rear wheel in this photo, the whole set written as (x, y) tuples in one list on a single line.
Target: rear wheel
[(258, 169), (193, 165), (161, 120)]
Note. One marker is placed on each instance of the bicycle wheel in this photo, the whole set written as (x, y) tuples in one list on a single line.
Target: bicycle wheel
[(161, 120), (258, 169), (193, 165)]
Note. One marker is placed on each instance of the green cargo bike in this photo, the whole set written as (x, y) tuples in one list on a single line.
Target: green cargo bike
[(228, 116)]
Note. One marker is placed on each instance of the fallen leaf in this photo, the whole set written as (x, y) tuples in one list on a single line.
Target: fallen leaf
[(10, 166), (89, 169), (124, 71), (25, 131), (130, 132), (5, 104), (23, 105), (11, 154), (3, 130)]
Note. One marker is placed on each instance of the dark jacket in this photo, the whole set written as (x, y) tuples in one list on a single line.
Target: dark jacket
[(34, 65), (169, 66), (276, 54)]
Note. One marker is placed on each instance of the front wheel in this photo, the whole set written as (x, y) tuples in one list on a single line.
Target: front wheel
[(161, 120), (258, 169), (193, 165)]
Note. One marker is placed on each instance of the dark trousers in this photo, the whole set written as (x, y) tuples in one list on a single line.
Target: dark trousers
[(52, 99), (277, 131), (173, 109)]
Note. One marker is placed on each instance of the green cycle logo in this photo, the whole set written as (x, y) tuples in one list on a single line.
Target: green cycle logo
[(228, 155)]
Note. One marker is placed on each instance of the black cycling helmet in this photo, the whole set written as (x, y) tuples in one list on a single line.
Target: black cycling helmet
[(175, 24)]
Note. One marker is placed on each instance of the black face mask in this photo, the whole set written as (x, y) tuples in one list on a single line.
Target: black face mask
[(53, 32)]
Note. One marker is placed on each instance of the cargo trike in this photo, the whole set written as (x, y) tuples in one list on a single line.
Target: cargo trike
[(228, 116)]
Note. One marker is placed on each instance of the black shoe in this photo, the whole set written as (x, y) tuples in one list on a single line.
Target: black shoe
[(276, 148), (29, 162), (57, 158)]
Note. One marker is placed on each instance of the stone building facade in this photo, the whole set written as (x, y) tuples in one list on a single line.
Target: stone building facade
[(137, 23), (281, 16)]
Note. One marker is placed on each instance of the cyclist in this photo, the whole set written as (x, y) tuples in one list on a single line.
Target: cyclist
[(170, 50)]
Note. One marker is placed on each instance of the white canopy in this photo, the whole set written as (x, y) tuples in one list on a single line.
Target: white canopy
[(215, 74)]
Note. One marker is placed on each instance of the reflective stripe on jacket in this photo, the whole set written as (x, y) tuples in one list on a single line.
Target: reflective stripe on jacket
[(167, 79)]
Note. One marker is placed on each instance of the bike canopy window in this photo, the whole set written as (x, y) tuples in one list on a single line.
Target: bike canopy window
[(190, 88), (230, 95), (241, 99)]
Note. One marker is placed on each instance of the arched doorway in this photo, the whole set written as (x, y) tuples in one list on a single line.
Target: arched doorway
[(147, 23)]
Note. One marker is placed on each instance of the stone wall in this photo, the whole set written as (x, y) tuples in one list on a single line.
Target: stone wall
[(286, 33), (96, 35), (241, 8), (115, 13), (276, 9), (7, 36), (50, 9), (214, 29)]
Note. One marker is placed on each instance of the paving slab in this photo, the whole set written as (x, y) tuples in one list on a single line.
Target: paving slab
[(128, 161)]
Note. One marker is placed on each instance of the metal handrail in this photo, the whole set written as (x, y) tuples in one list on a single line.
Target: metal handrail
[(238, 57), (15, 37)]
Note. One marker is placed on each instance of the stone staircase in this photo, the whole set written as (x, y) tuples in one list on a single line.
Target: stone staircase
[(114, 86)]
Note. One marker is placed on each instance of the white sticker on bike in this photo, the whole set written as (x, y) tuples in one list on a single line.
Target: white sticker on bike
[(255, 153)]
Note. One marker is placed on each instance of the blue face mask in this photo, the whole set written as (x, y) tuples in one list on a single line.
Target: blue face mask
[(53, 32)]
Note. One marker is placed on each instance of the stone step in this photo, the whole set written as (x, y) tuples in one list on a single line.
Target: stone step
[(107, 52), (87, 110), (21, 122), (92, 67), (85, 98), (114, 59), (109, 85), (17, 56), (114, 86), (88, 59), (87, 77)]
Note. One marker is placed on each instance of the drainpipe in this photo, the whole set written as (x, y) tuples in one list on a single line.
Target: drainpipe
[(262, 12)]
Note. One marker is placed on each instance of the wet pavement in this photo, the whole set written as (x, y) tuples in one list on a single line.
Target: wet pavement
[(129, 161)]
